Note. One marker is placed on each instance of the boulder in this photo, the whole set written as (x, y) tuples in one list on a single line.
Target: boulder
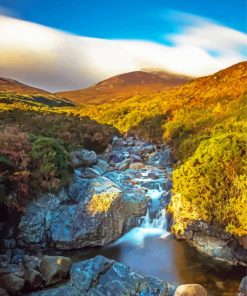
[(102, 276), (95, 214), (190, 290), (82, 158), (34, 279), (54, 268), (12, 283)]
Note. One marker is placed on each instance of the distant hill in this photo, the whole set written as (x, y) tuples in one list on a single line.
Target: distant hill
[(11, 90), (124, 86)]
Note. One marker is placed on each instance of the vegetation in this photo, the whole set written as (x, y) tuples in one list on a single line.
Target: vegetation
[(35, 140), (205, 121)]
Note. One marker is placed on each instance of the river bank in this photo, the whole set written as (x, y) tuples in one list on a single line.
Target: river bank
[(117, 202)]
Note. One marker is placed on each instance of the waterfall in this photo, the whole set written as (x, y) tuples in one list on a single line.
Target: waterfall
[(159, 222)]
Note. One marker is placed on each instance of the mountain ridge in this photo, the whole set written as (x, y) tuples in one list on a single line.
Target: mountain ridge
[(124, 86)]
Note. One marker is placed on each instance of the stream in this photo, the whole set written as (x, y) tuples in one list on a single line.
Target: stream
[(152, 250)]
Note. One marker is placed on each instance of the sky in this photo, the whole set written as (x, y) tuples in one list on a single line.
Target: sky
[(59, 45)]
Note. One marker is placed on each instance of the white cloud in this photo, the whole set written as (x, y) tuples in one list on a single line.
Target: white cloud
[(55, 60)]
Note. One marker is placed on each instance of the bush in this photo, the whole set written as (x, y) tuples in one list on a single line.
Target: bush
[(51, 164), (212, 184), (5, 170)]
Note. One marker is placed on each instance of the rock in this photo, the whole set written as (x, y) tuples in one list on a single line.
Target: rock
[(99, 215), (102, 276), (77, 189), (3, 292), (34, 279), (243, 286), (31, 262), (136, 166), (91, 173), (152, 176), (190, 290), (82, 158), (54, 268), (12, 283), (124, 165), (147, 149), (160, 159)]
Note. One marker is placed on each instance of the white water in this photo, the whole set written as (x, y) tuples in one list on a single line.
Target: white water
[(150, 227)]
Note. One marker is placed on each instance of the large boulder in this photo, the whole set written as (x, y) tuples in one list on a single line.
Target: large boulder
[(82, 158), (96, 213), (54, 268), (102, 276), (190, 290)]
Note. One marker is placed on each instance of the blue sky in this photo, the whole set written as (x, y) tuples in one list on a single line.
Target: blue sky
[(126, 19)]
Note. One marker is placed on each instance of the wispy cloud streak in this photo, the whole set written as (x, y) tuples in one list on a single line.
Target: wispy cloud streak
[(55, 60)]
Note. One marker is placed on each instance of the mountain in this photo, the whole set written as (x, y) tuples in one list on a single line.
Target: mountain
[(14, 90), (124, 86)]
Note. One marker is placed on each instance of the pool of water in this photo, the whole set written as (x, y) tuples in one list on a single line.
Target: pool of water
[(158, 254)]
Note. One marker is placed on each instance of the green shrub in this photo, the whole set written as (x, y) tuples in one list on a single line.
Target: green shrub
[(5, 169), (212, 184), (51, 163)]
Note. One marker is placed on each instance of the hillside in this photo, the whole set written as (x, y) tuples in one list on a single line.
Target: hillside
[(124, 86), (205, 121), (12, 90)]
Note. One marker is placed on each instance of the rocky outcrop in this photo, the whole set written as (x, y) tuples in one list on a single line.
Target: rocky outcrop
[(107, 197), (93, 213), (102, 276), (217, 243), (190, 290)]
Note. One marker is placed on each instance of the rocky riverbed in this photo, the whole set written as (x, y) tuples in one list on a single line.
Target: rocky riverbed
[(114, 197)]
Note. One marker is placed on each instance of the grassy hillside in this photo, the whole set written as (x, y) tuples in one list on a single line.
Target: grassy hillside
[(14, 91), (124, 86), (205, 121), (35, 139)]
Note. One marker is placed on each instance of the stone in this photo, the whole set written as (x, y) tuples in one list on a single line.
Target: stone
[(82, 158), (243, 286), (3, 292), (91, 173), (34, 279), (161, 158), (54, 268), (12, 283), (190, 290), (102, 276), (31, 262), (136, 166)]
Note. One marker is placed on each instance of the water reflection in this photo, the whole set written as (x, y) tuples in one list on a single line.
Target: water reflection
[(170, 260)]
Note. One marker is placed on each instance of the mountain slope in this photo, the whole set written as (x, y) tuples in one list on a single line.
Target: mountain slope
[(205, 121), (124, 86), (12, 90)]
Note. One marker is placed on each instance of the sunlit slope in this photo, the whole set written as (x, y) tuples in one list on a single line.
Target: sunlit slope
[(125, 86), (14, 91), (205, 121)]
